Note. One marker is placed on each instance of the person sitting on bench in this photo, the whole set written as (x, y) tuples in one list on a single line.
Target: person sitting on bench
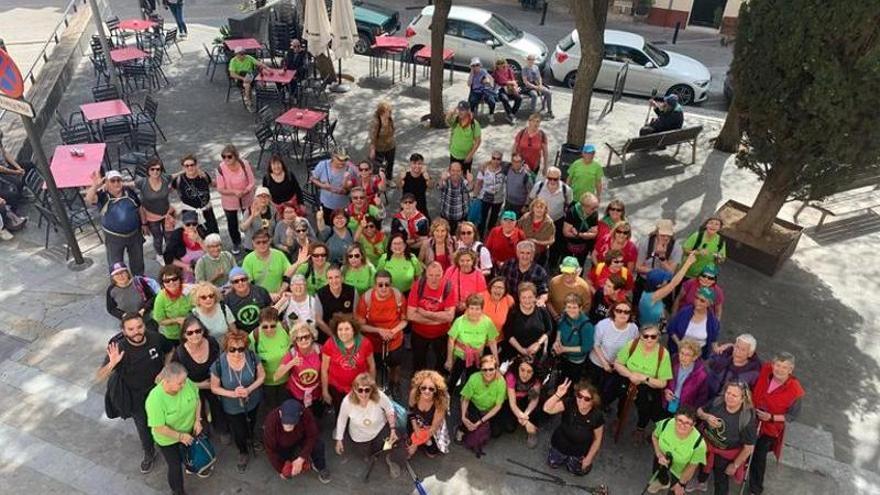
[(481, 87), (670, 116)]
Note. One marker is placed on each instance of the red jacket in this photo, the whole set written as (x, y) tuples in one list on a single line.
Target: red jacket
[(503, 248), (281, 446), (777, 402)]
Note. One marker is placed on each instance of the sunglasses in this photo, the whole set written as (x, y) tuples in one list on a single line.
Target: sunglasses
[(358, 198), (707, 277), (300, 230), (205, 297), (237, 349), (370, 226), (466, 232), (193, 332), (319, 255), (226, 156), (487, 370), (424, 388), (303, 338), (354, 256), (238, 281), (364, 390), (585, 398), (171, 279), (623, 311), (651, 336), (383, 284), (496, 158), (553, 179), (188, 165), (615, 209), (364, 169), (619, 262), (155, 169), (624, 232), (267, 326), (114, 180), (261, 242), (191, 224)]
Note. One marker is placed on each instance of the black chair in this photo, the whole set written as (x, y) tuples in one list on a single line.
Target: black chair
[(267, 95), (105, 92), (171, 39), (115, 128), (141, 147), (154, 68), (99, 66), (147, 114), (79, 218), (266, 139), (76, 135), (115, 33), (216, 56)]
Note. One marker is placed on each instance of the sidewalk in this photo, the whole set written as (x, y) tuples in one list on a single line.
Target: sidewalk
[(57, 326)]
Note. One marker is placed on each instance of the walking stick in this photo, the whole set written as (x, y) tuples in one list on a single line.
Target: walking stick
[(650, 106), (624, 410), (384, 379), (742, 487), (657, 473)]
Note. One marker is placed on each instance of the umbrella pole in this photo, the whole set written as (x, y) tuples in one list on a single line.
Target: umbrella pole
[(339, 87)]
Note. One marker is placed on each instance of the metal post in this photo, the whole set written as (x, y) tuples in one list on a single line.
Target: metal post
[(57, 206), (675, 34), (105, 46), (544, 12)]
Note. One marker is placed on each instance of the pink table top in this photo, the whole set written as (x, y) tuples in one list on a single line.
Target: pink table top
[(276, 76), (301, 118), (76, 171), (136, 25), (425, 52), (390, 42), (120, 55), (246, 43), (104, 109)]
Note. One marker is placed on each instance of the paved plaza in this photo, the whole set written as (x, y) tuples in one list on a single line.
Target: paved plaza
[(822, 306)]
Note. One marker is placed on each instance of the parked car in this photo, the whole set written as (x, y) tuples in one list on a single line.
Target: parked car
[(472, 32), (649, 67), (373, 20)]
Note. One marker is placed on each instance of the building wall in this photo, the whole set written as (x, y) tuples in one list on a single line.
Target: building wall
[(669, 12), (730, 17)]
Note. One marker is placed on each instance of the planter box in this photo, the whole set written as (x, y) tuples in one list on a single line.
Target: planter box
[(767, 254)]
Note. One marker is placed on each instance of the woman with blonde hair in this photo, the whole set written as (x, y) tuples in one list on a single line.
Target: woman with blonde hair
[(302, 365), (382, 142), (730, 432), (426, 419), (211, 311), (236, 185), (539, 228), (440, 245), (370, 419)]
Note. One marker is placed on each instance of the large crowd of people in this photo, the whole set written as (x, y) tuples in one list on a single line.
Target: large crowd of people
[(518, 291)]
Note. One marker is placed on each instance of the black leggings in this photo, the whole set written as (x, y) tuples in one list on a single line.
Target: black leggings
[(172, 456), (421, 346), (648, 406), (242, 426), (157, 231), (459, 370), (489, 216), (210, 220), (232, 225), (386, 158)]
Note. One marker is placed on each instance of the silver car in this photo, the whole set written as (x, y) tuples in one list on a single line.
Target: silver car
[(472, 32)]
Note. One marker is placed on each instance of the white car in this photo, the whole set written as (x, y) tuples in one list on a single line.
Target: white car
[(650, 68), (472, 32)]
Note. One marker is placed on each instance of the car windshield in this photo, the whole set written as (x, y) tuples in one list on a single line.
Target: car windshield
[(658, 55), (503, 29)]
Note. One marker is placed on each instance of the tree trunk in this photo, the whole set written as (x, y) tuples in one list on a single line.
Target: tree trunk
[(589, 19), (730, 137), (772, 196), (438, 32)]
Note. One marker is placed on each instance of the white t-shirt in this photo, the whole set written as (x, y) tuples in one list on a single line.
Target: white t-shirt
[(697, 331), (218, 323), (492, 190), (485, 261), (555, 200), (610, 339), (308, 309), (364, 423)]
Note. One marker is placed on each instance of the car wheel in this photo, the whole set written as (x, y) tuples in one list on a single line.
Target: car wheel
[(684, 92), (362, 45), (570, 79)]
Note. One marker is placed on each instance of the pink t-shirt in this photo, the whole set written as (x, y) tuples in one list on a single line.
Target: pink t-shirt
[(465, 284), (306, 378), (689, 290), (240, 180), (344, 367)]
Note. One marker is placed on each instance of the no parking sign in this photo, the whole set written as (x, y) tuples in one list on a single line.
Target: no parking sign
[(11, 82)]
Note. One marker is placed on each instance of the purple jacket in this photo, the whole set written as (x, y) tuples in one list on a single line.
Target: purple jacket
[(721, 370), (695, 391), (679, 323)]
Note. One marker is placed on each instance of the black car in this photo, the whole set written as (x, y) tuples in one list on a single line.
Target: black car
[(373, 20)]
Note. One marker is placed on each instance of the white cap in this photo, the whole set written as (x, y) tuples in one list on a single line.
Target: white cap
[(113, 174), (262, 190), (476, 61), (238, 49)]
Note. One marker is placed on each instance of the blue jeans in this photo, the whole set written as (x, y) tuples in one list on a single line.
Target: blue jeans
[(177, 12), (475, 97)]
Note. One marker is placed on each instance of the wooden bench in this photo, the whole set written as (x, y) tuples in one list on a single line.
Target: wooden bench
[(857, 193), (655, 142)]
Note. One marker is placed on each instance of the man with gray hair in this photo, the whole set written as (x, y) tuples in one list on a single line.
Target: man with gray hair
[(558, 196), (733, 362), (524, 269)]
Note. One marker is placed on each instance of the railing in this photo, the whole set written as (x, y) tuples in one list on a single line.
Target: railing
[(30, 77)]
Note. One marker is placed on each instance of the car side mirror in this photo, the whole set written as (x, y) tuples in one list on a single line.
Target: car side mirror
[(492, 43), (650, 65)]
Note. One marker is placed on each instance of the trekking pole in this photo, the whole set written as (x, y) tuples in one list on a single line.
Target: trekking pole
[(657, 472), (650, 105), (624, 410), (742, 486)]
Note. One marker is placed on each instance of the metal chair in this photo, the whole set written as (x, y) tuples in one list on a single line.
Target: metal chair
[(141, 147), (147, 114), (216, 56), (116, 127), (76, 135), (105, 92), (266, 139), (171, 39), (267, 95)]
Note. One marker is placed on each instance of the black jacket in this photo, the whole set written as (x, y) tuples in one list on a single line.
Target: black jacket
[(668, 120)]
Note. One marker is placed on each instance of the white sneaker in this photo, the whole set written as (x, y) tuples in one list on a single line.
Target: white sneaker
[(6, 235), (656, 486)]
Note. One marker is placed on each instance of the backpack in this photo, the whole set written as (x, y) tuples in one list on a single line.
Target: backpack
[(398, 299), (669, 247), (447, 288), (199, 456), (566, 192), (660, 354), (699, 240), (666, 423), (624, 272)]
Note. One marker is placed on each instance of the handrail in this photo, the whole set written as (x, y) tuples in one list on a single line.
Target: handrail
[(29, 77)]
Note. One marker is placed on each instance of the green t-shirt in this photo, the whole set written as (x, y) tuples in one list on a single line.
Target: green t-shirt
[(164, 308), (711, 245), (177, 411), (270, 351), (315, 279), (245, 64), (354, 222), (474, 335), (645, 364), (403, 271), (682, 450), (268, 274), (484, 396), (461, 139), (361, 279), (584, 177), (374, 251)]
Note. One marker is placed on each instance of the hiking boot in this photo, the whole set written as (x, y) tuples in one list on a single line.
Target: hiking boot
[(655, 486), (323, 474), (18, 225), (258, 445), (696, 486), (242, 463), (6, 235), (549, 116), (393, 468), (236, 249), (147, 463)]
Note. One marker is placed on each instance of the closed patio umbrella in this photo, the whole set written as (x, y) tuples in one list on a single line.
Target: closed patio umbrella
[(345, 36), (316, 27)]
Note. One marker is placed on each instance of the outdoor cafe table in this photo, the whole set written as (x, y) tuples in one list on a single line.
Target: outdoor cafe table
[(279, 76), (423, 56), (104, 110), (120, 55), (301, 118), (136, 25), (76, 171), (248, 44), (386, 47)]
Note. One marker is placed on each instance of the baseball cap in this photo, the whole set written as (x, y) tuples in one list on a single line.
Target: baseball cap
[(476, 61), (656, 278), (238, 271), (408, 197), (113, 174), (711, 270), (189, 216), (707, 293), (671, 99), (238, 49), (588, 148), (118, 267), (665, 227), (569, 265), (262, 190), (463, 105), (508, 215), (291, 411)]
